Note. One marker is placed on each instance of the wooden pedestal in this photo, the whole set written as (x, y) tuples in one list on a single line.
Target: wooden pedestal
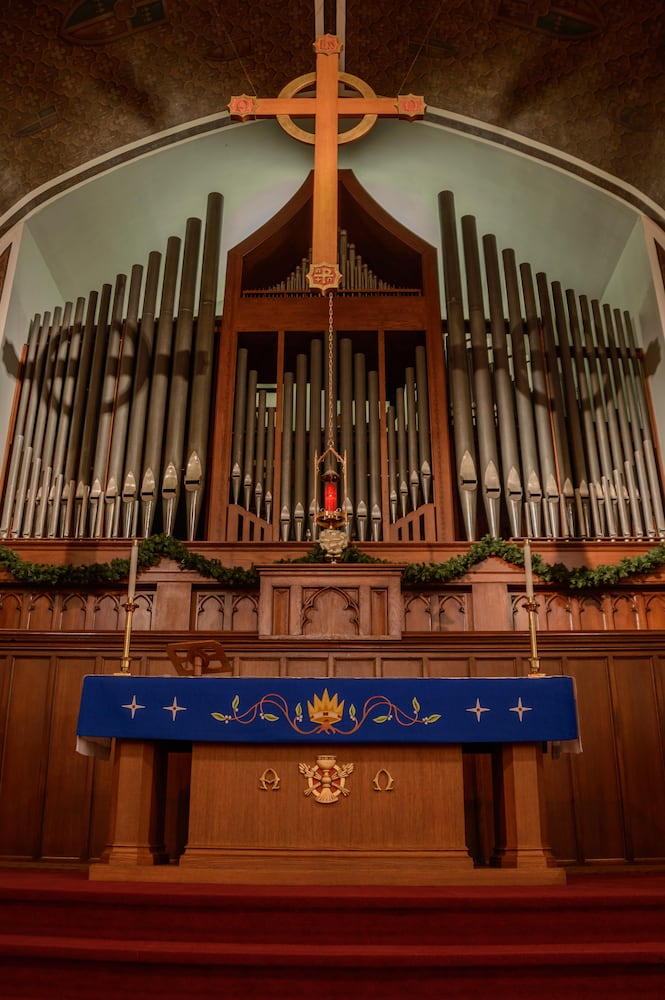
[(137, 805)]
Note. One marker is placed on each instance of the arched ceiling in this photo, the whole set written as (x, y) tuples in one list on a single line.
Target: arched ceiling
[(81, 78)]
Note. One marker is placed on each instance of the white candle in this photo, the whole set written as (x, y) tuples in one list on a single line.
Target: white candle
[(133, 562), (528, 570)]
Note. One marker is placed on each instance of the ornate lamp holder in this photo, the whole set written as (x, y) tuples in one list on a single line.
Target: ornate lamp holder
[(330, 473)]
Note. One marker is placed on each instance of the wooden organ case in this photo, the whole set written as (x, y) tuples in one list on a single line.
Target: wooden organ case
[(272, 384)]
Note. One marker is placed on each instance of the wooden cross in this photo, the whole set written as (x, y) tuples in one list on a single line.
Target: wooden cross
[(326, 107)]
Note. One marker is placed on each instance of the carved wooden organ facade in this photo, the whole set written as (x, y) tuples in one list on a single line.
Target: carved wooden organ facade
[(139, 410)]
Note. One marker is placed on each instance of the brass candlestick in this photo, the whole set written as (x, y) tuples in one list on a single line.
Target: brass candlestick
[(531, 607), (125, 662)]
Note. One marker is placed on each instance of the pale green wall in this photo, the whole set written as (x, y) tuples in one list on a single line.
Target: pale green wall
[(577, 234), (559, 225), (33, 283), (632, 285)]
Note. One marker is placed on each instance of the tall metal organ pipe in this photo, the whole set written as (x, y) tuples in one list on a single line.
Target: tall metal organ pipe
[(465, 450)]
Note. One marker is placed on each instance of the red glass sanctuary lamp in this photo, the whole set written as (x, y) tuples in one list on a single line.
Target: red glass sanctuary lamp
[(330, 491)]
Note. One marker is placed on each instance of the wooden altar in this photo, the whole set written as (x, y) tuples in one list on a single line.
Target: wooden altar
[(321, 811)]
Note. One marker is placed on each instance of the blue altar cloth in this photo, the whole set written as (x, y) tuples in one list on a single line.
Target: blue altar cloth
[(334, 709)]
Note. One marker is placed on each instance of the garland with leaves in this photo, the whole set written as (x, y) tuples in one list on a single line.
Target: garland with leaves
[(579, 578), (152, 550)]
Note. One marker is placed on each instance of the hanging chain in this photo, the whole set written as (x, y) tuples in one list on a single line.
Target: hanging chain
[(331, 354)]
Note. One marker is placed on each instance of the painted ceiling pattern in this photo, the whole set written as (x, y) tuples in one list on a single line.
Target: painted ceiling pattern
[(84, 77)]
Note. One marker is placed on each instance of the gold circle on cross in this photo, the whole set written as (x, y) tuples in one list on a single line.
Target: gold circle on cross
[(302, 83)]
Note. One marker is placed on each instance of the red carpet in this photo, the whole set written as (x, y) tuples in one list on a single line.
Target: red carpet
[(64, 937)]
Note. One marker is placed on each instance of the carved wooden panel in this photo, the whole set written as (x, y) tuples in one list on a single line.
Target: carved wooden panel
[(73, 608), (40, 608), (587, 612), (439, 611), (11, 604), (330, 611), (558, 613), (245, 612), (280, 610), (654, 608), (625, 611), (107, 613), (592, 613), (209, 612), (333, 601), (418, 612), (224, 611)]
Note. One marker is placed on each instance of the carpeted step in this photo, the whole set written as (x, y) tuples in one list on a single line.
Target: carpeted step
[(47, 967), (625, 911), (594, 939)]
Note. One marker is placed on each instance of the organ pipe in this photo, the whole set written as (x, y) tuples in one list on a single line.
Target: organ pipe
[(556, 397), (641, 439), (121, 415), (601, 470), (360, 407), (374, 428), (51, 349), (482, 383), (315, 429), (106, 412), (159, 389), (140, 397), (523, 403), (61, 352), (77, 422), (260, 451), (346, 417), (92, 406), (270, 461), (64, 422), (424, 442), (465, 447), (196, 458), (512, 483), (287, 449), (300, 455), (541, 406), (20, 426), (180, 378)]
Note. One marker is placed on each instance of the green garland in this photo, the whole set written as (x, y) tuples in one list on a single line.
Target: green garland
[(580, 578), (151, 550)]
